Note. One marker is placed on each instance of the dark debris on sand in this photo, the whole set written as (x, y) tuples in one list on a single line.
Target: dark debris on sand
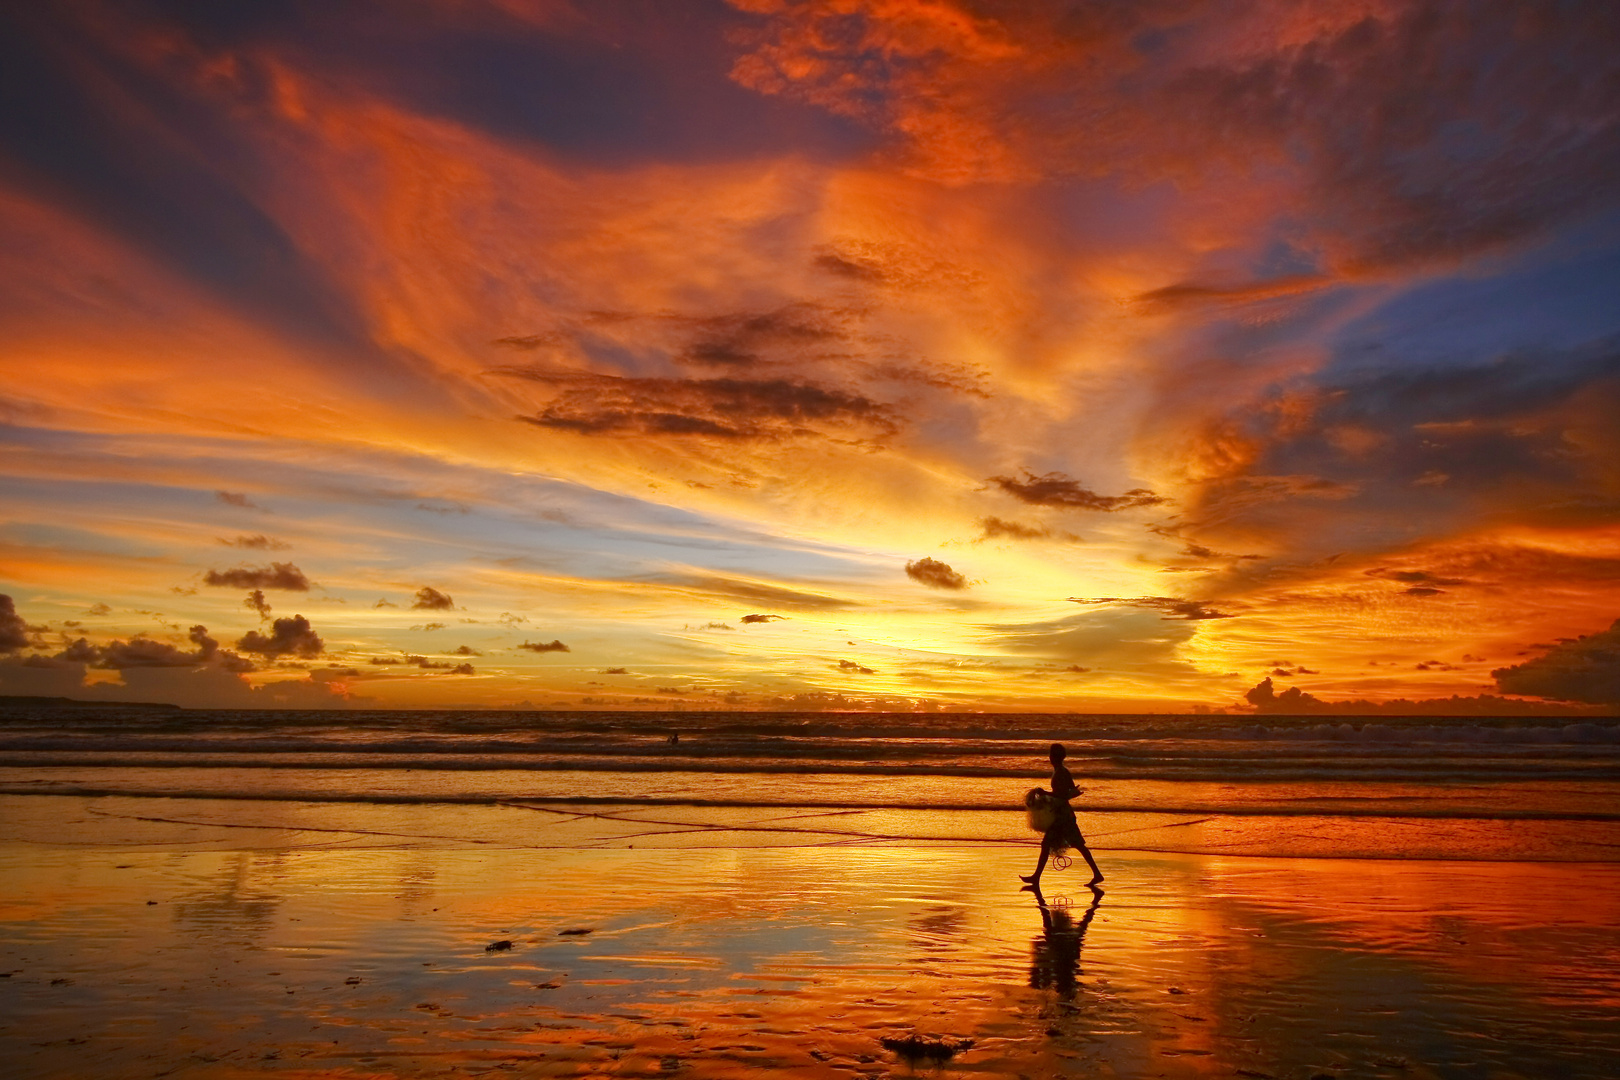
[(578, 931), (925, 1048), (498, 946)]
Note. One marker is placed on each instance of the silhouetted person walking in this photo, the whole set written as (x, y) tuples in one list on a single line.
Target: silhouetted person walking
[(1064, 831)]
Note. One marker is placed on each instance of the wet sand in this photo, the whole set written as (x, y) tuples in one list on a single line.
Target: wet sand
[(141, 948)]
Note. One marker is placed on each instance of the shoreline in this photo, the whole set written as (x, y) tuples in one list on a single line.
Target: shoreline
[(261, 823), (85, 791)]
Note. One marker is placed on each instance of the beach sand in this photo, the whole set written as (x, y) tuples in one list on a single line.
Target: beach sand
[(238, 940)]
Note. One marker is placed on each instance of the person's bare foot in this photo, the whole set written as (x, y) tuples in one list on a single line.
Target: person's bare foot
[(1093, 883), (1033, 879)]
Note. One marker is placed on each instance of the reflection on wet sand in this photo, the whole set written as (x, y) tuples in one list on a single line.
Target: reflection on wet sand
[(1055, 962), (805, 962)]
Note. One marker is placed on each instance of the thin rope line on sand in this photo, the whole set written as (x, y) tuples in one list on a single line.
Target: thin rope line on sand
[(850, 834)]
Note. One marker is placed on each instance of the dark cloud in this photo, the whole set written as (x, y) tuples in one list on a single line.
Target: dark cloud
[(287, 637), (1191, 549), (277, 575), (731, 340), (724, 408), (853, 668), (1168, 606), (13, 630), (430, 599), (1296, 702), (1586, 669), (935, 574), (1188, 294), (139, 652), (791, 333), (98, 610), (995, 528), (429, 627), (545, 646), (718, 354), (615, 671), (1393, 151), (1528, 435), (601, 86), (1056, 489), (254, 542), (1420, 578), (384, 602), (715, 626), (530, 342), (465, 650), (236, 498), (746, 619), (413, 660), (256, 601)]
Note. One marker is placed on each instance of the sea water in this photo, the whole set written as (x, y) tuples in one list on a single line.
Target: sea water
[(1538, 788)]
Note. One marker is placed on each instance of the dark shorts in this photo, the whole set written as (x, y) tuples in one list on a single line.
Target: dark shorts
[(1065, 831)]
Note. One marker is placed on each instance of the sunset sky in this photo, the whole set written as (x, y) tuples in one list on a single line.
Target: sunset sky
[(1112, 355)]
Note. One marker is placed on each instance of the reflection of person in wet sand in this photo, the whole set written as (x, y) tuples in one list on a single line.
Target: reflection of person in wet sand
[(1049, 812), (1055, 955)]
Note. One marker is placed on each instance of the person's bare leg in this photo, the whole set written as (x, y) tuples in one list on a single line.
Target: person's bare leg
[(1096, 874), (1040, 867)]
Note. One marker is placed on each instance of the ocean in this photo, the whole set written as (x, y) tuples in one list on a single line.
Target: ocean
[(415, 894), (1492, 788)]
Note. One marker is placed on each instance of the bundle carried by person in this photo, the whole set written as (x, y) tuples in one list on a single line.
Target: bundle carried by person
[(1040, 810)]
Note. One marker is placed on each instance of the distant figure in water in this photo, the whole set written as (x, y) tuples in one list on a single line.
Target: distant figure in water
[(1051, 812), (674, 740)]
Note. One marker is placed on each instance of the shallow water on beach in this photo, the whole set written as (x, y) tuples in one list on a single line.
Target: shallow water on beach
[(310, 896), (375, 963)]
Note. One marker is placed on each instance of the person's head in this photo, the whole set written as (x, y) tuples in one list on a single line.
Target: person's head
[(1057, 753)]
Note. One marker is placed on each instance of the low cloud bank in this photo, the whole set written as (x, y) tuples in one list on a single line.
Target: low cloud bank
[(1586, 669)]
